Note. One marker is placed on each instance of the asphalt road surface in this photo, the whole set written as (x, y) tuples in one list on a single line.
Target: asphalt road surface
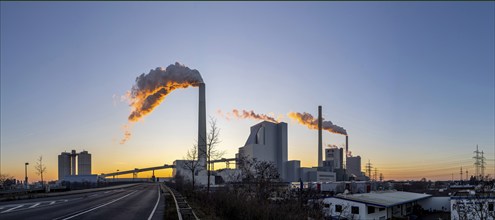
[(142, 201)]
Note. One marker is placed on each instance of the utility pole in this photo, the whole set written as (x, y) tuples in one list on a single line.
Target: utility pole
[(461, 173), (467, 176), (375, 175), (381, 177)]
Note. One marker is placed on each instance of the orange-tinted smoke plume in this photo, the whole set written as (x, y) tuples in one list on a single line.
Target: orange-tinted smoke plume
[(152, 88), (127, 133), (243, 114), (311, 122)]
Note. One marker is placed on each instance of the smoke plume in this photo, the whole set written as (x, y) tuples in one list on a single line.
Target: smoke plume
[(151, 89), (127, 133), (311, 122), (243, 114)]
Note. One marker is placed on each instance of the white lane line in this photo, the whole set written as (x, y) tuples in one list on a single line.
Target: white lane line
[(37, 204), (157, 201), (11, 209), (51, 203), (97, 207)]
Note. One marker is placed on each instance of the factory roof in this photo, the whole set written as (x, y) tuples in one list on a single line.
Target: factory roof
[(384, 198)]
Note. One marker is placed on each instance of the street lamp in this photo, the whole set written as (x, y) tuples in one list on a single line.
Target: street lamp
[(25, 174), (114, 176)]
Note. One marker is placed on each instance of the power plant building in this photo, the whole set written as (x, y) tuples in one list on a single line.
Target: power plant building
[(268, 142), (293, 169), (84, 163), (67, 163), (334, 158), (64, 165), (353, 165)]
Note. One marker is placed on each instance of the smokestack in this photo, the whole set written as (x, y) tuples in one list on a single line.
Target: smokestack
[(320, 119), (73, 162), (202, 126), (346, 146)]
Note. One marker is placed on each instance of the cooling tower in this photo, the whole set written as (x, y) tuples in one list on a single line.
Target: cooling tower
[(202, 126)]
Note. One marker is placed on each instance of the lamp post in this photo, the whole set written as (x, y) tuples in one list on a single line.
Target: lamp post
[(25, 174)]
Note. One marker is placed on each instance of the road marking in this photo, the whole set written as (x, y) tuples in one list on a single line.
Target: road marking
[(51, 203), (11, 209), (157, 201), (37, 204), (97, 207)]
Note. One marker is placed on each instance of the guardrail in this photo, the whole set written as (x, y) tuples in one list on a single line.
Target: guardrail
[(184, 211)]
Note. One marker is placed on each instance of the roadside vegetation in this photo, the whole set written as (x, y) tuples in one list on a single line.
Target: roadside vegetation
[(257, 195)]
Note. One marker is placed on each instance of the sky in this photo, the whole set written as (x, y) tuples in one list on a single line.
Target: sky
[(413, 83)]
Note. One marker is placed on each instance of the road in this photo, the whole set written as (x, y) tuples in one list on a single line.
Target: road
[(142, 201)]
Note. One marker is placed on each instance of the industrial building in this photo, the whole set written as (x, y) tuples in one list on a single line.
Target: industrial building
[(84, 163), (353, 166), (374, 205), (64, 165), (292, 168), (67, 163), (472, 205), (334, 158), (268, 142)]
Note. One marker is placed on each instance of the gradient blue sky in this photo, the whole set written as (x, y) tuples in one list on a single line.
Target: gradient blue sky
[(412, 82)]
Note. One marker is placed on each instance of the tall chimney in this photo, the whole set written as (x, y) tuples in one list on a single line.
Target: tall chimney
[(73, 162), (320, 161), (346, 146), (202, 126)]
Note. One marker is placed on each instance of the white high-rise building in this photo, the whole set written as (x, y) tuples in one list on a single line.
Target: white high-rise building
[(268, 142), (84, 163)]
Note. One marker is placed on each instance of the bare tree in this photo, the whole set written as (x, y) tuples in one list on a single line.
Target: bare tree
[(259, 176), (40, 168), (192, 163), (6, 181), (478, 204), (212, 153)]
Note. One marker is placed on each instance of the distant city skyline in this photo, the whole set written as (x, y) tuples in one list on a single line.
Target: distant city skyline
[(413, 83)]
